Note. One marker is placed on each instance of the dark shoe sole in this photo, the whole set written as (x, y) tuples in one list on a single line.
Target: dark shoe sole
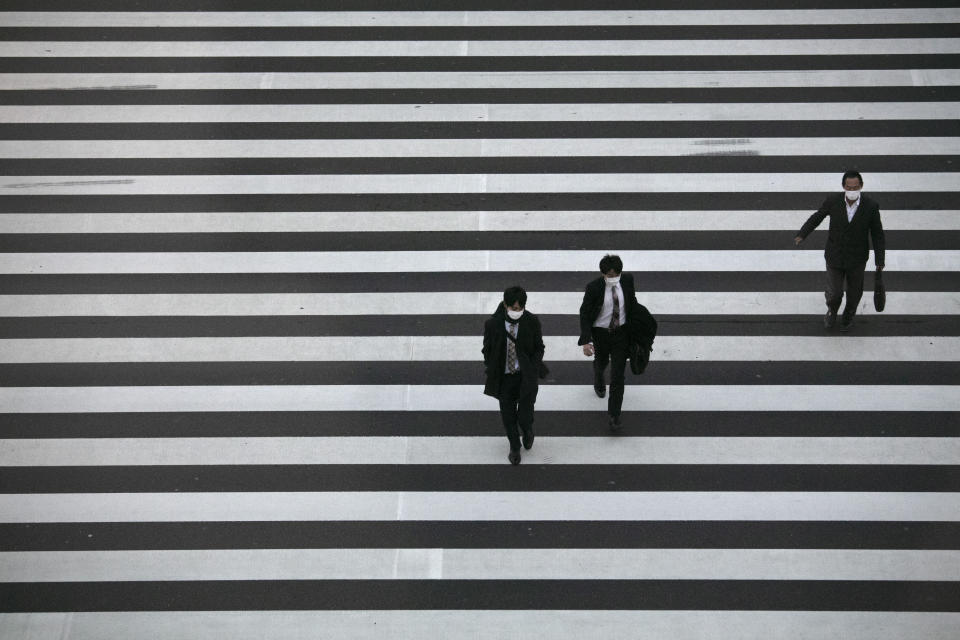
[(615, 423), (600, 391), (514, 457), (829, 320)]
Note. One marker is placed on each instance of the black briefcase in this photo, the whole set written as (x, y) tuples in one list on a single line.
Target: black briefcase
[(639, 358), (643, 331), (879, 292)]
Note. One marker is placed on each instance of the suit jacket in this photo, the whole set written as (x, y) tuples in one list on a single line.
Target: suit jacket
[(593, 304), (847, 243), (530, 350)]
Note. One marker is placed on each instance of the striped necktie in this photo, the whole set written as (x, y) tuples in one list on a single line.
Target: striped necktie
[(615, 320), (512, 365)]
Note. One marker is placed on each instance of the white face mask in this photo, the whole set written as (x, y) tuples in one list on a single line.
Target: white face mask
[(514, 315), (612, 281), (852, 196)]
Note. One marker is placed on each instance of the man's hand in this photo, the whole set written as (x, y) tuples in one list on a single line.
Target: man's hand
[(797, 241), (588, 349)]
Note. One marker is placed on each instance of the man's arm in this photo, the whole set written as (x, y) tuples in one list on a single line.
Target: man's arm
[(633, 290), (879, 242), (586, 322), (538, 346), (812, 222), (487, 343)]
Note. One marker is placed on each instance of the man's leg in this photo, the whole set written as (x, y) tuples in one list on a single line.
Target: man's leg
[(854, 280), (509, 394), (525, 417), (854, 290), (601, 356), (833, 295), (618, 363)]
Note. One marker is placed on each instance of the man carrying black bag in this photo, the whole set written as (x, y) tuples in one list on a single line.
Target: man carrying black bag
[(643, 329), (610, 321), (854, 223)]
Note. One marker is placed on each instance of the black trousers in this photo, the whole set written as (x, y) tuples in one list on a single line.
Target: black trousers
[(836, 279), (516, 410), (611, 347)]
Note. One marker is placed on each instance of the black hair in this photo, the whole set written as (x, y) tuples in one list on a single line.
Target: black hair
[(611, 261), (851, 174), (515, 294)]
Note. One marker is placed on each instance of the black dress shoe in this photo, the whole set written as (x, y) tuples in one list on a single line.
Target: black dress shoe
[(615, 423), (846, 323), (600, 390), (527, 438), (830, 319), (514, 456)]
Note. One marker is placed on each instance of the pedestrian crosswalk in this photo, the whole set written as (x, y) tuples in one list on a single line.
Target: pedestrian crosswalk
[(247, 248)]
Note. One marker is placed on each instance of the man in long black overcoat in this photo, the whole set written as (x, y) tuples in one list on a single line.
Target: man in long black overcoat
[(513, 357)]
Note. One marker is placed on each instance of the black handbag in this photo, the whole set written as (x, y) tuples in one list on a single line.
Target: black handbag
[(879, 292), (639, 357), (643, 331)]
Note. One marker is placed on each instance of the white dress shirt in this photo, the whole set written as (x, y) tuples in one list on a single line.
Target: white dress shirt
[(606, 313), (851, 208)]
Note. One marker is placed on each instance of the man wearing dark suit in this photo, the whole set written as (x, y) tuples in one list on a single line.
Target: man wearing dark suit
[(513, 356), (853, 217), (605, 315)]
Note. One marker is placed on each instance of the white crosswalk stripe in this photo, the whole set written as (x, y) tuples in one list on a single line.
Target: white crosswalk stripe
[(389, 398), (609, 147), (394, 18), (290, 221), (468, 113), (246, 255), (851, 46), (453, 303), (477, 450), (482, 80), (473, 624), (478, 564), (463, 348), (479, 506), (446, 262), (458, 183)]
